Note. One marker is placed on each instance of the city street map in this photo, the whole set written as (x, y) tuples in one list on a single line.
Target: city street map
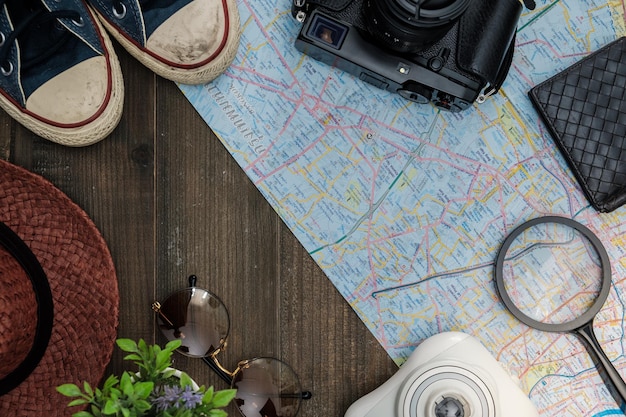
[(404, 206)]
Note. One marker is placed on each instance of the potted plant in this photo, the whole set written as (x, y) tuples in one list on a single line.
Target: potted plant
[(155, 390)]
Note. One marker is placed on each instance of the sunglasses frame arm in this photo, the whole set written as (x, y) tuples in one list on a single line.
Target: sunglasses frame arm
[(217, 367)]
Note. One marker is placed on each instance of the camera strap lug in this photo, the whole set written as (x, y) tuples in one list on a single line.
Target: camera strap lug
[(494, 87), (488, 92), (298, 10), (301, 16)]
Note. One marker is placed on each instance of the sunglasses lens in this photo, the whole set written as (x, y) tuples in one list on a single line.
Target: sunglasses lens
[(267, 387), (196, 317)]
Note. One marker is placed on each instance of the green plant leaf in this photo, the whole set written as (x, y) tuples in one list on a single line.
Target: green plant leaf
[(82, 414), (126, 384), (111, 407), (208, 396), (185, 380), (87, 388), (168, 374), (163, 359), (217, 413), (78, 401), (96, 411), (110, 382), (115, 393), (69, 390), (132, 357), (127, 345), (142, 406), (223, 397), (172, 345), (143, 389), (143, 346)]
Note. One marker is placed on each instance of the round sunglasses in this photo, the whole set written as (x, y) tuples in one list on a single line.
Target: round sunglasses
[(266, 387)]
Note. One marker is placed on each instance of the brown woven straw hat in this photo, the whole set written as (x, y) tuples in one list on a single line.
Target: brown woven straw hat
[(59, 300)]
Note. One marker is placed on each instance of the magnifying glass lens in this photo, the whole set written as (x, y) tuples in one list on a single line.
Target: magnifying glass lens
[(552, 273), (198, 318), (267, 387)]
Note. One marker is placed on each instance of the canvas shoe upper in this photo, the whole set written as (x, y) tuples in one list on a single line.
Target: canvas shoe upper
[(59, 75), (187, 41)]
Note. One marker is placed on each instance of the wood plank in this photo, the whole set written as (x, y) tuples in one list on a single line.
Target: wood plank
[(212, 222), (339, 359), (7, 128)]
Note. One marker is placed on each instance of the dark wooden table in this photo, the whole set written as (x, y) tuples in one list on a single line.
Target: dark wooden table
[(171, 201)]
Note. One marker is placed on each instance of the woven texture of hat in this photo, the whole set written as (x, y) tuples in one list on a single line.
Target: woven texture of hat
[(83, 281), (18, 313)]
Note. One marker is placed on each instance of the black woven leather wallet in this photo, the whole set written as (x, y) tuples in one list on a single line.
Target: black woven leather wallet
[(584, 108)]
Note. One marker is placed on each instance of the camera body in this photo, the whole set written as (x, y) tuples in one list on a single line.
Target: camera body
[(449, 374), (451, 61)]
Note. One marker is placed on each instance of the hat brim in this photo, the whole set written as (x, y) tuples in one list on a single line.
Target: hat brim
[(84, 288)]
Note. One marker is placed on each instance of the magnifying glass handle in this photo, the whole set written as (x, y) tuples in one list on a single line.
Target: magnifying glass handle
[(586, 333)]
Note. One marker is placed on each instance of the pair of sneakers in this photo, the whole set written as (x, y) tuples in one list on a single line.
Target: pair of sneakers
[(60, 76)]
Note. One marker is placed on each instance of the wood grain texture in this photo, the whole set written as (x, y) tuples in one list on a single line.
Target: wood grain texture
[(171, 201)]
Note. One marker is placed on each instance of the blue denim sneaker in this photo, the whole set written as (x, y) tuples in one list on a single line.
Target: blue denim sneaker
[(187, 41), (59, 75)]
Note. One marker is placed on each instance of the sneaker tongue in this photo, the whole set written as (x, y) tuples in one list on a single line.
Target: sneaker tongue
[(42, 42), (40, 38), (20, 10), (47, 48)]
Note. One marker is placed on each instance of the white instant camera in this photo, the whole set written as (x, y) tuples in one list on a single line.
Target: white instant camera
[(449, 375)]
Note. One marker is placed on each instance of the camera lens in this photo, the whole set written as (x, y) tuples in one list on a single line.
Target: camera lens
[(408, 26)]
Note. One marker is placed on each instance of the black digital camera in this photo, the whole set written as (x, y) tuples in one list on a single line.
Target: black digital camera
[(448, 52)]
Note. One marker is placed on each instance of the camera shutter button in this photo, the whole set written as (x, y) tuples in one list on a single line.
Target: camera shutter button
[(436, 63)]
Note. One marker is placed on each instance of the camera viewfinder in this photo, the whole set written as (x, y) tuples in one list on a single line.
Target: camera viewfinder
[(328, 31)]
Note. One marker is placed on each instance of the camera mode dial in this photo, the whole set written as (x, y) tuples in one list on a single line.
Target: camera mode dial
[(415, 92)]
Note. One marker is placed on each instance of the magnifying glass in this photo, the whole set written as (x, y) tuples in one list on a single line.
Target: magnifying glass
[(553, 274)]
